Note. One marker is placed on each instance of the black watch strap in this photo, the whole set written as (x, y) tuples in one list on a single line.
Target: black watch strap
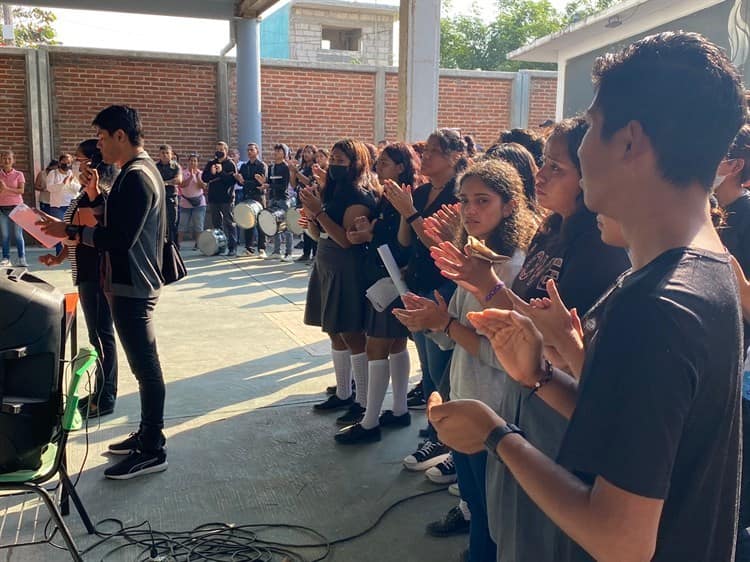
[(497, 435), (72, 231)]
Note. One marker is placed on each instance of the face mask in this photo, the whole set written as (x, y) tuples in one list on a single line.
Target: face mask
[(718, 181), (64, 167), (220, 154), (337, 173)]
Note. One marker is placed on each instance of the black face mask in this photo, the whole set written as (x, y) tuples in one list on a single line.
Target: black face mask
[(338, 173), (63, 166), (220, 154)]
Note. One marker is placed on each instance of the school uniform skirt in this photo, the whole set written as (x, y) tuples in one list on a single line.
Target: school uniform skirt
[(336, 290), (384, 324)]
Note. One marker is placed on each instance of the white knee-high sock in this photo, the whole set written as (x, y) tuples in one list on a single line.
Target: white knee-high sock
[(342, 368), (376, 389), (359, 370), (400, 368)]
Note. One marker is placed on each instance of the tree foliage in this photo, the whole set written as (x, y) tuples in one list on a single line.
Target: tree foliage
[(479, 41), (33, 27)]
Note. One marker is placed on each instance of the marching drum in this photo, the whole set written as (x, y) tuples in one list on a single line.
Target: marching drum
[(292, 221), (272, 221), (245, 213), (212, 242)]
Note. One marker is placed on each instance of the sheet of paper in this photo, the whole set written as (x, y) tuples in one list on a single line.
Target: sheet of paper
[(26, 218), (393, 271)]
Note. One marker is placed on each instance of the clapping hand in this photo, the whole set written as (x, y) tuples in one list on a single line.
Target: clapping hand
[(400, 197), (515, 340), (443, 225), (361, 230), (463, 425), (422, 313), (311, 200), (471, 273), (320, 175)]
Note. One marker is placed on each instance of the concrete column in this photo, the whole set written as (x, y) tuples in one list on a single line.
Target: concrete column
[(418, 69), (39, 102), (222, 101), (379, 127), (520, 100), (248, 82)]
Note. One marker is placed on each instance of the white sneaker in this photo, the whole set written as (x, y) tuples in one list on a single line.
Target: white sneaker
[(5, 262), (453, 490), (274, 256), (443, 473), (262, 254), (22, 262), (242, 253), (287, 258)]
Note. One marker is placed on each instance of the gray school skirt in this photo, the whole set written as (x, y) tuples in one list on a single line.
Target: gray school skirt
[(336, 290)]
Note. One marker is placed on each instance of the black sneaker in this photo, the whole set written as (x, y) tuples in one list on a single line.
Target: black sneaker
[(415, 398), (388, 418), (427, 455), (334, 403), (137, 464), (452, 524), (424, 433), (416, 390), (357, 434), (130, 445), (354, 415)]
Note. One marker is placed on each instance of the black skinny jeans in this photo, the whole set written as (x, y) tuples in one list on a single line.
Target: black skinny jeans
[(101, 332), (133, 319)]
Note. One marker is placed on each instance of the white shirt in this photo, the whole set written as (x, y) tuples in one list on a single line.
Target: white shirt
[(61, 193)]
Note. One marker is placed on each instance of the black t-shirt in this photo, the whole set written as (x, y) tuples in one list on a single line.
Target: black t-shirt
[(421, 273), (343, 198), (168, 174), (385, 231), (221, 185), (278, 181), (658, 410), (736, 237), (251, 188), (576, 258)]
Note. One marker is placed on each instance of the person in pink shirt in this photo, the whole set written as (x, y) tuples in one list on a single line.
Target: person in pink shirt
[(12, 183), (192, 201)]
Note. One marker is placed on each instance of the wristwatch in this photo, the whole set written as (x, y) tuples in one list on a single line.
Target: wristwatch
[(72, 231), (497, 434)]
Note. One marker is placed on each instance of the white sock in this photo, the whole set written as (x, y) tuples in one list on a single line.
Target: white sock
[(342, 368), (376, 389), (359, 370), (400, 368), (464, 507)]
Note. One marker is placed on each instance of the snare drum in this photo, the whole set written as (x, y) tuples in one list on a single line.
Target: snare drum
[(212, 242), (272, 221), (292, 221), (245, 213)]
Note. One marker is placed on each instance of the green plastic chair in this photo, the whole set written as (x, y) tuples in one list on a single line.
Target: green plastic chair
[(53, 463)]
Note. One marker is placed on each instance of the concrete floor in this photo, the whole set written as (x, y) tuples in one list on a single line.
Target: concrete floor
[(244, 445)]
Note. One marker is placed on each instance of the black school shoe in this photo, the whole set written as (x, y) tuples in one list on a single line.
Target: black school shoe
[(332, 389), (355, 434), (452, 524), (137, 464), (354, 415), (388, 418), (334, 403)]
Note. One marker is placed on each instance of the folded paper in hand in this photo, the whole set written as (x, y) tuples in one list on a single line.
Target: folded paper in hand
[(382, 293), (26, 217)]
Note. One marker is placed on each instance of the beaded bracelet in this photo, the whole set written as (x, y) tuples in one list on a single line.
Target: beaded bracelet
[(495, 290)]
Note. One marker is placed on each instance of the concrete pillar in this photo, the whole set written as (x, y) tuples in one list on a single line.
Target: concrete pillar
[(418, 69), (379, 127), (39, 102), (248, 82), (224, 124), (520, 100)]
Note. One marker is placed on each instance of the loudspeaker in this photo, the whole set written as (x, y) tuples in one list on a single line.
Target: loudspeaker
[(32, 317)]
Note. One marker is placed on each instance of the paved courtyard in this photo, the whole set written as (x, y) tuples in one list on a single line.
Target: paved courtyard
[(244, 446)]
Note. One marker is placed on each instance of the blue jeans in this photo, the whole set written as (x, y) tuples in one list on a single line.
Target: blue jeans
[(433, 360), (471, 470), (5, 227)]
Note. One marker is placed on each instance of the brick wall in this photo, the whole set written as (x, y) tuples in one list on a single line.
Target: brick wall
[(13, 110), (479, 107), (543, 100), (391, 106), (176, 100)]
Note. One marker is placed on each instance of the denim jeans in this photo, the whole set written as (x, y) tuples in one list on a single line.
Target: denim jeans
[(287, 234), (101, 332), (471, 470), (433, 360), (133, 319), (6, 225)]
